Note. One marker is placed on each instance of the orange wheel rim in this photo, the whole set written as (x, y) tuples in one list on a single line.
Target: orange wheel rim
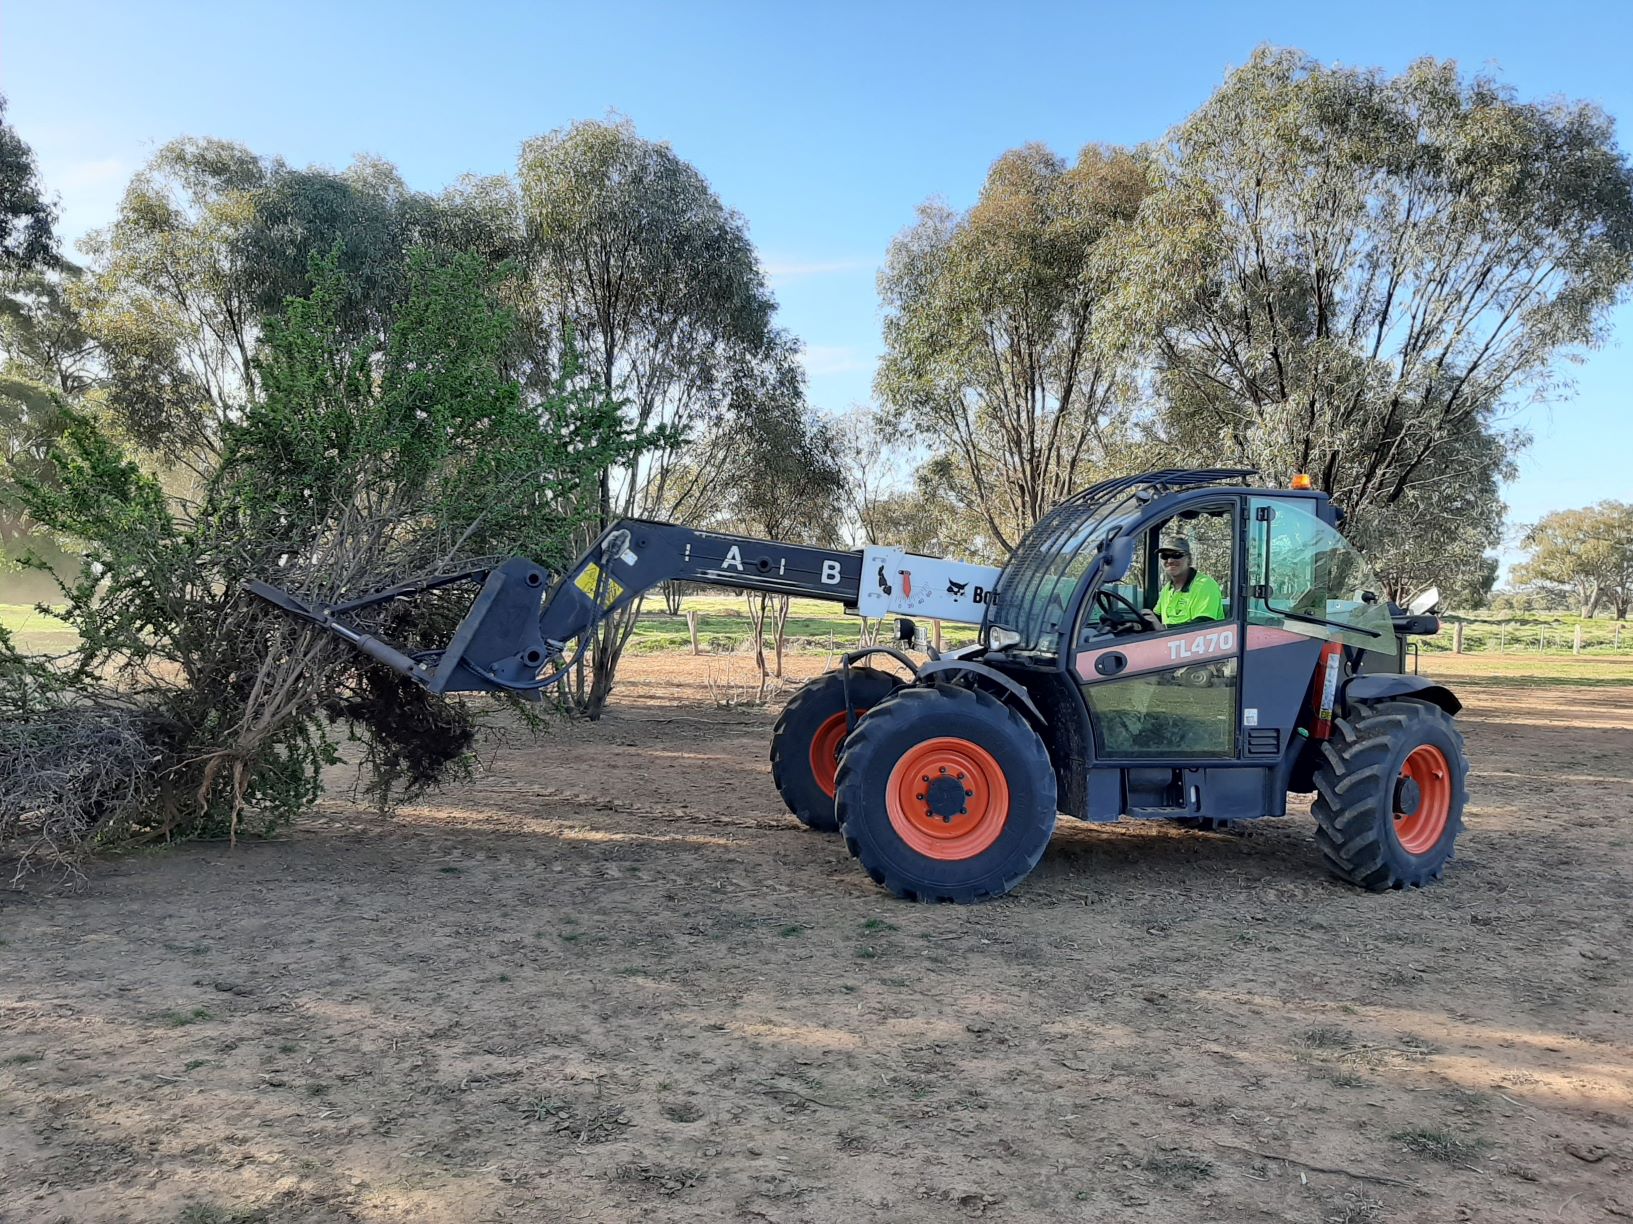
[(1423, 800), (825, 746), (947, 798)]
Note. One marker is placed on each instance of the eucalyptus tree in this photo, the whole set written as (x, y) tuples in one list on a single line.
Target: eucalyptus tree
[(783, 478), (42, 336), (1588, 552), (993, 347), (211, 240), (171, 303), (1356, 275), (26, 215), (635, 257)]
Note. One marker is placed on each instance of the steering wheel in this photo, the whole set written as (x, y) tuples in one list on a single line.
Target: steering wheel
[(1128, 618)]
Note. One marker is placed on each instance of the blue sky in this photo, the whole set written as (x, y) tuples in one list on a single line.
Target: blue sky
[(824, 125)]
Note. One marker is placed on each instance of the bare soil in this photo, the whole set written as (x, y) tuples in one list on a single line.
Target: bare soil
[(611, 979)]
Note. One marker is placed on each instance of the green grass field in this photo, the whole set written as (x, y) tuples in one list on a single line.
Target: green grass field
[(723, 624), (35, 632), (1498, 647)]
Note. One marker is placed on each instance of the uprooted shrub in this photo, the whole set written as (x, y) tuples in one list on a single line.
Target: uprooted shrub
[(65, 774), (359, 464)]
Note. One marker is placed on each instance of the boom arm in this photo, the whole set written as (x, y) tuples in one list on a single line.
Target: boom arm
[(507, 637)]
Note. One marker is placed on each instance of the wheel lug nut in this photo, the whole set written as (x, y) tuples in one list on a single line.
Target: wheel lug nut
[(969, 794)]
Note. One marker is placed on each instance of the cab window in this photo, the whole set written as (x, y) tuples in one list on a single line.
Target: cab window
[(1308, 579)]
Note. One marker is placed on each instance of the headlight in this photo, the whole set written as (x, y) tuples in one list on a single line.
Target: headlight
[(999, 638)]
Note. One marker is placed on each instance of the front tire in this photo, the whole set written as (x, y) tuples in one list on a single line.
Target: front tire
[(1391, 786), (809, 734), (946, 794)]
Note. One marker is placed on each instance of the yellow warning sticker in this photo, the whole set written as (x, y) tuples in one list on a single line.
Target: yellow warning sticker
[(591, 577)]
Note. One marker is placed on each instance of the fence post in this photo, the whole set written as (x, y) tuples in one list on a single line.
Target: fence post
[(691, 628), (1576, 646), (935, 629), (1502, 639), (1457, 638)]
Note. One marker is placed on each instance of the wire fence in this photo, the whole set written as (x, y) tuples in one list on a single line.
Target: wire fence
[(1464, 634)]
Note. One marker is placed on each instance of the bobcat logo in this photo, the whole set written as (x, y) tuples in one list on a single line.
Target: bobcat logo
[(956, 589), (884, 584)]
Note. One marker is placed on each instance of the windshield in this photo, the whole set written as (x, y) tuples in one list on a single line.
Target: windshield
[(1035, 590), (1314, 581)]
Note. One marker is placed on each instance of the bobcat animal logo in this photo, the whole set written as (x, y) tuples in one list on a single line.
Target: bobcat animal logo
[(884, 584), (956, 589)]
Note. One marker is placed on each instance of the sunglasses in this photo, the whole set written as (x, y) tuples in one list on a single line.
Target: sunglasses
[(1170, 556)]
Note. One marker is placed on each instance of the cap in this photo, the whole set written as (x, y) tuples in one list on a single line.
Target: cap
[(1174, 543)]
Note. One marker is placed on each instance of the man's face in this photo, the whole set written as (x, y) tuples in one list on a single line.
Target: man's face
[(1174, 564)]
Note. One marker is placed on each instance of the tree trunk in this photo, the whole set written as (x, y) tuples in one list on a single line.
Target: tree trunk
[(756, 614), (1591, 604), (782, 626), (606, 650)]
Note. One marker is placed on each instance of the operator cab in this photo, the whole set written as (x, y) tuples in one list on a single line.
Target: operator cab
[(1152, 596)]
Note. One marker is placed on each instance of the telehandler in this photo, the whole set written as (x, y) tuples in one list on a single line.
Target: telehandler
[(946, 781)]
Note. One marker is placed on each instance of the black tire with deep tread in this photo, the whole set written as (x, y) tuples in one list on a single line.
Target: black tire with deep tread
[(1354, 784), (907, 718), (812, 705)]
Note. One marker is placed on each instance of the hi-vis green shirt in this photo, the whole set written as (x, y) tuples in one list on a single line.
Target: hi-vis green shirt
[(1200, 600)]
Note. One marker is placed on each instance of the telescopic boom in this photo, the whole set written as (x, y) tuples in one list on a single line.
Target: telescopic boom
[(523, 622)]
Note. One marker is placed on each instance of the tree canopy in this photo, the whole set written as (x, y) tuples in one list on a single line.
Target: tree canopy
[(1357, 276), (1586, 552), (994, 346), (26, 215)]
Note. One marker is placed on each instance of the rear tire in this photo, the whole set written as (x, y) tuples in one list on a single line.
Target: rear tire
[(1390, 791), (809, 733), (946, 794)]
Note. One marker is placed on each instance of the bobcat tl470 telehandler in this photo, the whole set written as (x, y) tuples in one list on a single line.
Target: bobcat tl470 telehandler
[(1076, 699)]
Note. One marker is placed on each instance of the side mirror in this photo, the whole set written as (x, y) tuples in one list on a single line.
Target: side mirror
[(1119, 554), (1425, 602)]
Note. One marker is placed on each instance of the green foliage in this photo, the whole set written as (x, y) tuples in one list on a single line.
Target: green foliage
[(40, 333), (26, 240), (32, 417)]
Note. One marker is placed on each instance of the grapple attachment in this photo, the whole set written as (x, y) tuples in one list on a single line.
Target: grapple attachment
[(498, 646)]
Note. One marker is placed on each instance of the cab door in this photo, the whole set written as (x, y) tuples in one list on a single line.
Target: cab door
[(1173, 692)]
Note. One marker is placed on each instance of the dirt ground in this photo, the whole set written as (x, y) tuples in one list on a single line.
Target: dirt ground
[(613, 980)]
